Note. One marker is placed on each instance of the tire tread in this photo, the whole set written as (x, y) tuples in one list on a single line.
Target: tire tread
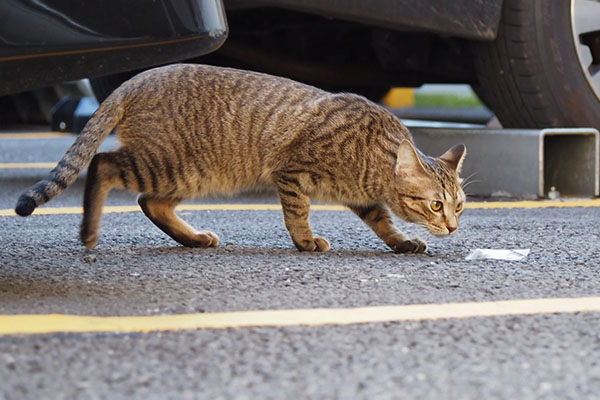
[(514, 89)]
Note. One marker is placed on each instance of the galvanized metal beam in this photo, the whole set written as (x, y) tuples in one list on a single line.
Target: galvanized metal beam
[(522, 162)]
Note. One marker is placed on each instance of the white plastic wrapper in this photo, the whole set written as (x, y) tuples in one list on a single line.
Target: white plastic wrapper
[(498, 254)]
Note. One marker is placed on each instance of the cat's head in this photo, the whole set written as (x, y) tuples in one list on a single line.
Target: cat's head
[(428, 190)]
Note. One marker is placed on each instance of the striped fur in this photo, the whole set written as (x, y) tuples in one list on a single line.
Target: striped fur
[(192, 130)]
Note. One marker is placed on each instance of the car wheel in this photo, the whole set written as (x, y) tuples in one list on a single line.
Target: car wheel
[(543, 69)]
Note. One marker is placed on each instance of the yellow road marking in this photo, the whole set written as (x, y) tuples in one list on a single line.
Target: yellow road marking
[(45, 165), (533, 204), (52, 323), (316, 207), (35, 135), (184, 207)]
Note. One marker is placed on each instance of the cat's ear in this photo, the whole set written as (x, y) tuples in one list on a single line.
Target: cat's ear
[(454, 157), (408, 163)]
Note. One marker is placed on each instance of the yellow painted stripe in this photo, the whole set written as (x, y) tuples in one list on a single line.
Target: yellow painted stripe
[(184, 207), (59, 211), (52, 323), (317, 207), (35, 135), (533, 204), (44, 165)]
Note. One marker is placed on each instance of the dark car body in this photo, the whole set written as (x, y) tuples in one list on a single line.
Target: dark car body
[(48, 41), (534, 63), (362, 46), (472, 19), (43, 42)]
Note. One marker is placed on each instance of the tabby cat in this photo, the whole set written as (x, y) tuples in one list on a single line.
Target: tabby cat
[(196, 130)]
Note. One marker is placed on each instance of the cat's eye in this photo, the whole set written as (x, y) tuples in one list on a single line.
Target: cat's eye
[(436, 205), (459, 207)]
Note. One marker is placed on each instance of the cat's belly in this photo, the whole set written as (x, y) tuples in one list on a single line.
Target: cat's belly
[(219, 182)]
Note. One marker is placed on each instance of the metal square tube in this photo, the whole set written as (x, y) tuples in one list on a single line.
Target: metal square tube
[(521, 162)]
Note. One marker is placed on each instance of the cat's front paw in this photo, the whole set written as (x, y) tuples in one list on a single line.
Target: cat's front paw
[(90, 241), (89, 238), (400, 244), (202, 239), (315, 244)]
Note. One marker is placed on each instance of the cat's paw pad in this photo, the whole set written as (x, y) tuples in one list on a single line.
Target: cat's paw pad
[(315, 244), (401, 245), (205, 239)]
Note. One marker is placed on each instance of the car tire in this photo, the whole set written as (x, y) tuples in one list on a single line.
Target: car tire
[(536, 74)]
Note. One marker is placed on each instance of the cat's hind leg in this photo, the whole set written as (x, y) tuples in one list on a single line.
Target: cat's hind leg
[(378, 218), (162, 213), (296, 206), (102, 176)]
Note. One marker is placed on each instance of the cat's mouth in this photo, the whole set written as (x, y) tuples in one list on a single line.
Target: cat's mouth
[(438, 231)]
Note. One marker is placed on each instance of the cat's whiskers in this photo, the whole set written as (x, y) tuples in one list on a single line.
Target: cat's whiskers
[(466, 185), (469, 177), (470, 183), (467, 181), (430, 228)]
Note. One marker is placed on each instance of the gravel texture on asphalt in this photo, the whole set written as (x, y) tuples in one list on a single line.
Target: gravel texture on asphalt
[(45, 268)]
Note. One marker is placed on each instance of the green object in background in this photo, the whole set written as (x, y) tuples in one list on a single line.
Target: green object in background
[(446, 100)]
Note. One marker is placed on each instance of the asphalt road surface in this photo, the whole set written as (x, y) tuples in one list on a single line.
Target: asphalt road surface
[(136, 271)]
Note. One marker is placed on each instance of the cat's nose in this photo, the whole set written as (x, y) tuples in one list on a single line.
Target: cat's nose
[(451, 228)]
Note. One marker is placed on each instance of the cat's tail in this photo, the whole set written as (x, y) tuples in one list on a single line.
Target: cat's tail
[(77, 157)]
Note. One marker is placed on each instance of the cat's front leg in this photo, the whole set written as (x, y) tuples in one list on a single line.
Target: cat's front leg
[(378, 218), (296, 206)]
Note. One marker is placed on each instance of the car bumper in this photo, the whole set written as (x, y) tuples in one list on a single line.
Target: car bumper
[(45, 44)]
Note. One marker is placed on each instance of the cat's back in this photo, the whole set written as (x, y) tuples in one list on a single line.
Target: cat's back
[(215, 100), (204, 84), (233, 125)]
